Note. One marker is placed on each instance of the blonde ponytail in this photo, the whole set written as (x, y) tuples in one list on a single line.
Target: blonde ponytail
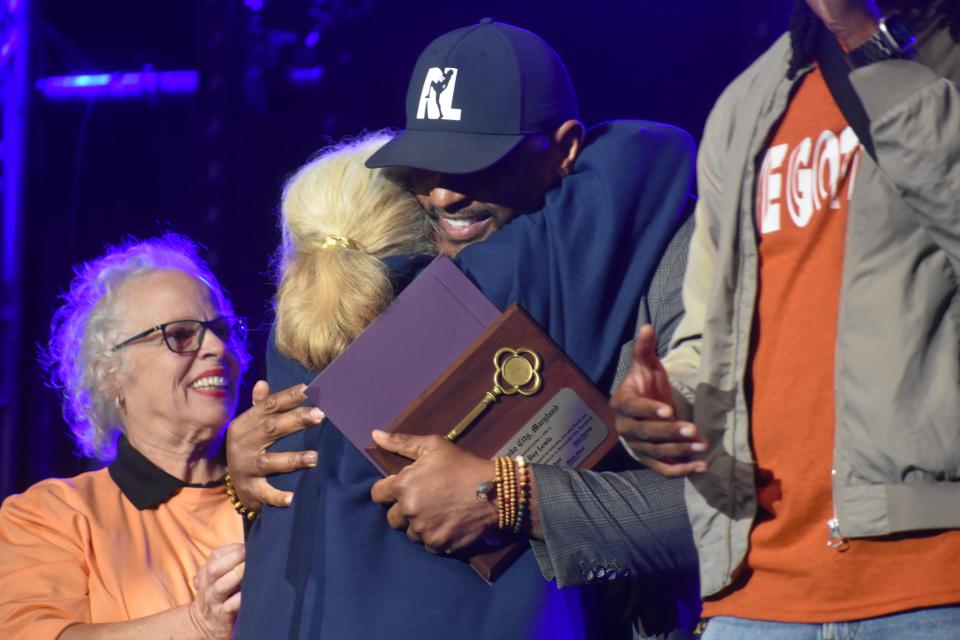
[(337, 219)]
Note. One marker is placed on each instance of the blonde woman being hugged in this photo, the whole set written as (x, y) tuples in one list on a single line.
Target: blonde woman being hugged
[(148, 355)]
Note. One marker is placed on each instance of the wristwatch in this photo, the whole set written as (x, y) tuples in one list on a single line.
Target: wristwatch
[(892, 40)]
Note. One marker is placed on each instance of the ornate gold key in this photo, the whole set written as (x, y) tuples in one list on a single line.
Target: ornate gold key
[(515, 371)]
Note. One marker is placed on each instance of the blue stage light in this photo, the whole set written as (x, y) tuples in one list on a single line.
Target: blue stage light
[(136, 84), (97, 80)]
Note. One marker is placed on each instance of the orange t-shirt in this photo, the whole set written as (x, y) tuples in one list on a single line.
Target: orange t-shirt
[(77, 551), (790, 574)]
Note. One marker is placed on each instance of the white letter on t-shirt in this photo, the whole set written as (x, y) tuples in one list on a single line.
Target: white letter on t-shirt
[(800, 184), (827, 161), (771, 188), (850, 152)]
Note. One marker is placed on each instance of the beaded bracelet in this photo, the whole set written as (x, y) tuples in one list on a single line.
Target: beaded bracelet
[(523, 492), (238, 506), (511, 494), (511, 479), (505, 479), (498, 480)]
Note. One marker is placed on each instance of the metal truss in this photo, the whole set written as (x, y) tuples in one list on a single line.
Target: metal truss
[(14, 102)]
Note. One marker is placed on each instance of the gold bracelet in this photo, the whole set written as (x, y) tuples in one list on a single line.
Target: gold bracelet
[(510, 493), (506, 479), (499, 478), (238, 506)]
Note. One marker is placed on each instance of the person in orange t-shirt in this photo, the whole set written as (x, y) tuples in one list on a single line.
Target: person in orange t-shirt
[(817, 372), (149, 356)]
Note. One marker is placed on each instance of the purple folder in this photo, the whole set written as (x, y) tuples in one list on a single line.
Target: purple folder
[(411, 343)]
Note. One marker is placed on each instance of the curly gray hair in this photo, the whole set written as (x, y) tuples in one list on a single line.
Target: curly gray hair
[(80, 360)]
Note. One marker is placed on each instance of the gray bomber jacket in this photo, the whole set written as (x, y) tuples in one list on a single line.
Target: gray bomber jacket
[(896, 460)]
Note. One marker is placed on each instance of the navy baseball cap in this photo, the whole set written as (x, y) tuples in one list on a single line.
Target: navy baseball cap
[(474, 94)]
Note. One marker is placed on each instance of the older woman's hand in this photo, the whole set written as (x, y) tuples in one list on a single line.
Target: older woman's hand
[(271, 417), (213, 611)]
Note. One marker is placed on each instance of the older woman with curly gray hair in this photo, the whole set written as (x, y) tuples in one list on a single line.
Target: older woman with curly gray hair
[(148, 355)]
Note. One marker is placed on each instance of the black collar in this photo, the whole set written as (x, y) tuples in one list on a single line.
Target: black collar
[(143, 483)]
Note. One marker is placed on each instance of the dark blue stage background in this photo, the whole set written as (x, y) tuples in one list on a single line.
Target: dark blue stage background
[(88, 158)]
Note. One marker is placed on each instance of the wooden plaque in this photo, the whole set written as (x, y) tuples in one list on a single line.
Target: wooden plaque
[(568, 421)]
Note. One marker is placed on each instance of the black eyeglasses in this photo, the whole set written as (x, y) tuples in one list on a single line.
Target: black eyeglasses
[(186, 336)]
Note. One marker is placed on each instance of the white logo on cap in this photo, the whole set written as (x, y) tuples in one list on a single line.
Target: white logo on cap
[(436, 97)]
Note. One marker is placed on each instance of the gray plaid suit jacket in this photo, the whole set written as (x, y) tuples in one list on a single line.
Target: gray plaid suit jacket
[(607, 526)]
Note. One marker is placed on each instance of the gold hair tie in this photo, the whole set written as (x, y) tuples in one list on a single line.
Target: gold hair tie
[(334, 240)]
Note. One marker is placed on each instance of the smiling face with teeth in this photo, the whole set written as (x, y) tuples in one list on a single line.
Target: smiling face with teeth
[(173, 400), (467, 208)]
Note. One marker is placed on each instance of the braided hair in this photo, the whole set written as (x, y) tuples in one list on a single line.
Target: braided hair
[(805, 26)]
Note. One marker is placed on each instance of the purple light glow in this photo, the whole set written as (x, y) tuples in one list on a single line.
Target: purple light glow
[(305, 76), (119, 85), (9, 46)]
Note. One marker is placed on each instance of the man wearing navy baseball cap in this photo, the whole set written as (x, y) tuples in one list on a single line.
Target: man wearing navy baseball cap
[(497, 84), (492, 134), (491, 127)]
